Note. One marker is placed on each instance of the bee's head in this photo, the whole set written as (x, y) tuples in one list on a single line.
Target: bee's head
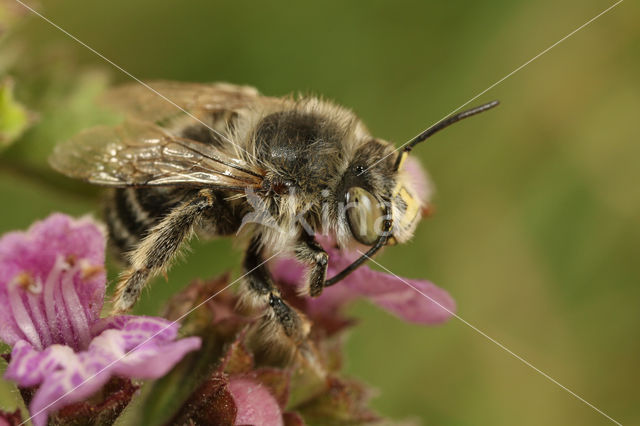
[(385, 194), (382, 197), (375, 191)]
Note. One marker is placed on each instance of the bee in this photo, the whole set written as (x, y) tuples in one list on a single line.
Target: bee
[(229, 161)]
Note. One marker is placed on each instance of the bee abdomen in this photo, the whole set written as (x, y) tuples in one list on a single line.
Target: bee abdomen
[(131, 212), (121, 239)]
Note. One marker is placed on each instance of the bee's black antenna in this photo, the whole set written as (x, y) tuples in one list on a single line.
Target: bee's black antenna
[(439, 126)]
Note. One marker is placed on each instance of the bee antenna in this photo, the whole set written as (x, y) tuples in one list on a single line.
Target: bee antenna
[(439, 126)]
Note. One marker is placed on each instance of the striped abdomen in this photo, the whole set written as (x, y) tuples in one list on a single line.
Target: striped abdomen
[(131, 212)]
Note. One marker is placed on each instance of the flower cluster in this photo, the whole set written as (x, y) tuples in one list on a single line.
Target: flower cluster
[(72, 364), (52, 288), (242, 386)]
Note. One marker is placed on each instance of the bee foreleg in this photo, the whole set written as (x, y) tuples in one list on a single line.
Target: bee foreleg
[(262, 292), (309, 252), (158, 248)]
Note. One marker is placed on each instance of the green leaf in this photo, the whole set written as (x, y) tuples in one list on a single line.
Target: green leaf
[(10, 398), (14, 118), (70, 108)]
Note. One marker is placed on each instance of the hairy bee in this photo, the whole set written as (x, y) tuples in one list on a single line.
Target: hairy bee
[(230, 161)]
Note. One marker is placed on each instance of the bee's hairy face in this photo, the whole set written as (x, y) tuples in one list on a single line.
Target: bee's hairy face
[(373, 192)]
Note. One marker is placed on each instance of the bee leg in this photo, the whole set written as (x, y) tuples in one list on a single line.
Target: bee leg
[(157, 249), (309, 251), (262, 292)]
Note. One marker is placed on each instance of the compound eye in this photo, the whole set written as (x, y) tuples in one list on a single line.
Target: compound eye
[(364, 215)]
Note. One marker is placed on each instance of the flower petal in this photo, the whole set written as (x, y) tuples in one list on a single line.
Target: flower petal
[(419, 180), (143, 346), (29, 367), (140, 347), (255, 405), (60, 374), (53, 278), (416, 301)]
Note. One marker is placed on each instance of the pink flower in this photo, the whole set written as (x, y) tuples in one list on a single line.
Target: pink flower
[(419, 180), (415, 301), (52, 287), (254, 403)]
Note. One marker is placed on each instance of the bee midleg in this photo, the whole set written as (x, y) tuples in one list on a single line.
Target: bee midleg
[(309, 251), (260, 285), (157, 249)]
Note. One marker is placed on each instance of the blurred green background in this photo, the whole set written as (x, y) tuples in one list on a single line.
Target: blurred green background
[(537, 226)]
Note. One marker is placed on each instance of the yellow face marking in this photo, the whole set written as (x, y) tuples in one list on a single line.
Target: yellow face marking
[(413, 205), (413, 208), (403, 157)]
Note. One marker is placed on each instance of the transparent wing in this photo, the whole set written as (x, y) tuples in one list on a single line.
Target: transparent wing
[(139, 153), (159, 105)]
